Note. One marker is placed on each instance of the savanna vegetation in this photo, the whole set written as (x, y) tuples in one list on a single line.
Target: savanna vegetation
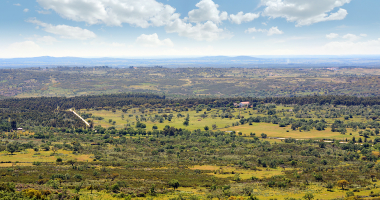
[(159, 133), (189, 82)]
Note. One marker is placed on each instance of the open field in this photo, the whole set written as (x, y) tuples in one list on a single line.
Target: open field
[(199, 120), (30, 156)]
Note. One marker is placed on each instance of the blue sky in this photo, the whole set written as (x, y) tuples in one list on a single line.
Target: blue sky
[(156, 28)]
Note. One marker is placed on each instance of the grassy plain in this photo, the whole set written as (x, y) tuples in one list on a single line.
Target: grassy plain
[(128, 119), (30, 156)]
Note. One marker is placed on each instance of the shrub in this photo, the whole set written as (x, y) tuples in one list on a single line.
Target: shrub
[(8, 187), (32, 193), (115, 188)]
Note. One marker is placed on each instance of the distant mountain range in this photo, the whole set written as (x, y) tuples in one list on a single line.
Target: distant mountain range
[(209, 61)]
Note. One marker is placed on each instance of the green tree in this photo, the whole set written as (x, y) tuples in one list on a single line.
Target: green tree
[(78, 188), (342, 183), (174, 184), (71, 162), (214, 126), (45, 147), (186, 122), (12, 147)]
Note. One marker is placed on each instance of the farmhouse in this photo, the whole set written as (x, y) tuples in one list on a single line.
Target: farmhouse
[(244, 104)]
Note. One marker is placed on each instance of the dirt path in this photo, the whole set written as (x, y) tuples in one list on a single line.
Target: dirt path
[(80, 118)]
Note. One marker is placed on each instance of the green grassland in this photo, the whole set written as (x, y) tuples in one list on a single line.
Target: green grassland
[(127, 119)]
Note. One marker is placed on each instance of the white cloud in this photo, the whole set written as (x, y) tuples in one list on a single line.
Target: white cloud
[(253, 30), (17, 4), (44, 12), (26, 10), (207, 11), (201, 24), (264, 23), (272, 31), (47, 39), (153, 41), (332, 36), (305, 12), (363, 35), (142, 13), (351, 37), (351, 47), (241, 17), (26, 46), (208, 31), (206, 19), (65, 31)]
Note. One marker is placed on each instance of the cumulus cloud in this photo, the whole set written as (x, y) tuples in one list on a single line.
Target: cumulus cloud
[(272, 31), (351, 37), (206, 18), (153, 41), (207, 11), (254, 30), (26, 10), (65, 31), (201, 23), (332, 36), (305, 12), (208, 31), (241, 17), (142, 13)]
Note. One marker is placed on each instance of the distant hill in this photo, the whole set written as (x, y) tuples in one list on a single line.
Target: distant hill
[(207, 61)]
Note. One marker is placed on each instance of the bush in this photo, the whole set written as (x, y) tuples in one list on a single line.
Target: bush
[(8, 187), (32, 193), (78, 176), (350, 194), (115, 188)]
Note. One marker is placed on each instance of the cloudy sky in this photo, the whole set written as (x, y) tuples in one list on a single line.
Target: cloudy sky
[(151, 28)]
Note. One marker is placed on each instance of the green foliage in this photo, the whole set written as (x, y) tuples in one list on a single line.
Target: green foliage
[(308, 196), (173, 183), (7, 187)]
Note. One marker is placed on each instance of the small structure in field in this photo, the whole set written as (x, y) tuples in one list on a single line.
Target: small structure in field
[(19, 129), (244, 104)]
